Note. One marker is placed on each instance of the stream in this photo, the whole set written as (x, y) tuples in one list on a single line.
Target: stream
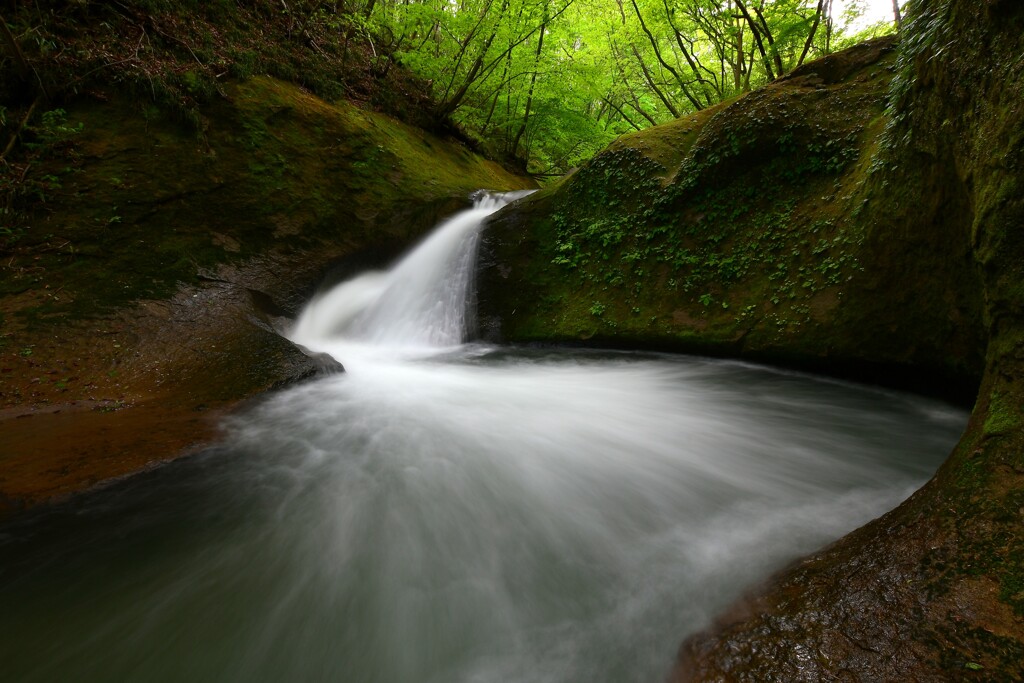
[(446, 511)]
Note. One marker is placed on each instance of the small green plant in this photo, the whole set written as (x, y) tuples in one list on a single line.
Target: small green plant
[(54, 127), (597, 309), (111, 407)]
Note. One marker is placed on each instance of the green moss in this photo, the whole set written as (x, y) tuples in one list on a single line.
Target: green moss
[(978, 654), (148, 205), (1003, 415), (714, 224), (972, 474)]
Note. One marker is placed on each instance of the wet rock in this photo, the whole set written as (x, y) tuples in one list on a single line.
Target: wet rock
[(217, 245), (761, 228), (325, 363)]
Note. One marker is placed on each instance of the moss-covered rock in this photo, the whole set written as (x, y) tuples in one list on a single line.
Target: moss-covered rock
[(155, 268), (760, 227)]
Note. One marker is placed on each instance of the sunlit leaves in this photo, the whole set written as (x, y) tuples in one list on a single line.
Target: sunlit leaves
[(604, 67)]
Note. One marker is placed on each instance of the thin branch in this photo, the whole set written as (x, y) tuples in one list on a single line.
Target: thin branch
[(622, 114), (810, 36), (650, 81), (19, 56), (640, 110), (668, 67), (21, 127)]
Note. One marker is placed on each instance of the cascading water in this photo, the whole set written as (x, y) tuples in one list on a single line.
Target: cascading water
[(449, 513), (419, 306)]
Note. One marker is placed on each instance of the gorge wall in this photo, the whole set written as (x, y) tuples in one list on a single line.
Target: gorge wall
[(764, 227)]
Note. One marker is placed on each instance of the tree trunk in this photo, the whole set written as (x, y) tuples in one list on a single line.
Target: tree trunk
[(814, 29), (650, 82), (757, 39), (828, 28), (695, 65), (26, 69), (533, 83), (668, 67), (447, 107), (771, 40), (622, 114)]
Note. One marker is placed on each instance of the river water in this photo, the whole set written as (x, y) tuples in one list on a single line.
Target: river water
[(446, 511)]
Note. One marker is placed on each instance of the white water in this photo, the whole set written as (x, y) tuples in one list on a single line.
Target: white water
[(416, 308), (445, 512)]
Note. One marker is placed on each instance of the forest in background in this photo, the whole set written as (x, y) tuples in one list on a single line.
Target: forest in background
[(542, 84), (551, 82)]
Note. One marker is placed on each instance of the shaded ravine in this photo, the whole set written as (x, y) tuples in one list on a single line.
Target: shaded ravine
[(453, 512), (104, 331)]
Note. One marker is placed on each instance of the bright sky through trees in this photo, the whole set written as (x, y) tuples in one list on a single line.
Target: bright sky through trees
[(873, 11)]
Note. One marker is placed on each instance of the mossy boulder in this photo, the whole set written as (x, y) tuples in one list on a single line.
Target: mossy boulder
[(154, 271), (757, 228), (877, 233)]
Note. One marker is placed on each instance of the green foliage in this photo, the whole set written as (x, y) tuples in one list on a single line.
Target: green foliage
[(26, 184), (1003, 417), (54, 127), (730, 226), (601, 70), (924, 35), (548, 82), (714, 225)]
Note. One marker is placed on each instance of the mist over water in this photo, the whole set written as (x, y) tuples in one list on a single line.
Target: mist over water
[(451, 512)]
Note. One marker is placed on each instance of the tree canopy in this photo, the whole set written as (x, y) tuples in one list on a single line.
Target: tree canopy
[(550, 82), (545, 83)]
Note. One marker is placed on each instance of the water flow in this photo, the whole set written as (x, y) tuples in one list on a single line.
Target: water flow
[(477, 514), (416, 307)]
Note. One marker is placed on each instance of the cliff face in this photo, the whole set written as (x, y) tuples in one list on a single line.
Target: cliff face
[(880, 230), (143, 294)]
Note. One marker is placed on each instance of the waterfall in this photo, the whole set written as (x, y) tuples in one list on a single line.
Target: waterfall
[(455, 513), (418, 306)]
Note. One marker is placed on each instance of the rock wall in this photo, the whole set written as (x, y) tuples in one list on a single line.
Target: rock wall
[(763, 228)]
